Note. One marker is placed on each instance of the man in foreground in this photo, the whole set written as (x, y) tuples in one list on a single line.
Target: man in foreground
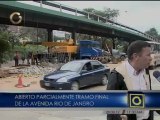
[(132, 75)]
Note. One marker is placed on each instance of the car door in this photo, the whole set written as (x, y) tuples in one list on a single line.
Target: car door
[(87, 74), (98, 71)]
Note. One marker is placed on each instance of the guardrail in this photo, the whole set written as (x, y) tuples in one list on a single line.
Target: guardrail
[(94, 17)]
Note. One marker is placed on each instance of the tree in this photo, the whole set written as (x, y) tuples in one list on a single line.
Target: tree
[(4, 46), (111, 13), (34, 34), (13, 39), (91, 10), (153, 32), (106, 12)]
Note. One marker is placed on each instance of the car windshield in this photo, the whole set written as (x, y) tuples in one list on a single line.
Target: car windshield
[(72, 66)]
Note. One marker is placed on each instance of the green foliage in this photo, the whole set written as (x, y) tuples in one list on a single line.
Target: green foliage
[(108, 42), (153, 32), (91, 10), (14, 39), (106, 12), (24, 50), (4, 46), (109, 13), (34, 34)]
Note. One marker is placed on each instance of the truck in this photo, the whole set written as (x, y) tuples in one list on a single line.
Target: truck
[(89, 49), (84, 49), (64, 51)]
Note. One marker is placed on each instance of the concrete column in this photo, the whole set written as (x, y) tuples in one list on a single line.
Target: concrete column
[(50, 35), (50, 38), (74, 36), (113, 42)]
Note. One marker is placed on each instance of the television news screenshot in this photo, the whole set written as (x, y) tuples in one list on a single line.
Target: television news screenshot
[(79, 60)]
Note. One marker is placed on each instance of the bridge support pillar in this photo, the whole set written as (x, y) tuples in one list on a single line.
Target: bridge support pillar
[(50, 36), (74, 36), (113, 43)]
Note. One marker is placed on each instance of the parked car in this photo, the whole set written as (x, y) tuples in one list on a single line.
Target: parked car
[(118, 54), (76, 74)]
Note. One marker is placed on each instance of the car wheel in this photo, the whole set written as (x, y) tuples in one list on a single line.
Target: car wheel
[(104, 80), (75, 86)]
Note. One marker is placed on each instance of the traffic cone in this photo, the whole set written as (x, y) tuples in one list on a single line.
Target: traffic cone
[(20, 84)]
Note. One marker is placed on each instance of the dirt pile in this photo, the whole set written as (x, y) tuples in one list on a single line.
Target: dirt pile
[(42, 69)]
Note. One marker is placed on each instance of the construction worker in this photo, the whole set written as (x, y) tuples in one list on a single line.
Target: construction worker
[(16, 58), (36, 58), (28, 58)]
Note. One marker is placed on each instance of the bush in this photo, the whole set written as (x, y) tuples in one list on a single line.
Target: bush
[(4, 46)]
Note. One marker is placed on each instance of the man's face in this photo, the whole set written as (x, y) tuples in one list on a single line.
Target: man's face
[(144, 58)]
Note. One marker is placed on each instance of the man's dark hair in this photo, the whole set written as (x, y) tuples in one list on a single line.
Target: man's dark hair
[(136, 47)]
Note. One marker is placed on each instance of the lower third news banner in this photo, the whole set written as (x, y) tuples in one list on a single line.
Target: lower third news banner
[(82, 99)]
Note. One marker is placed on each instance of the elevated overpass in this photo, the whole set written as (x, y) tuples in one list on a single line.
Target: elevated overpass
[(42, 15)]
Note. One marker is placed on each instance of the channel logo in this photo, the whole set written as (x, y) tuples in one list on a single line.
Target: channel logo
[(136, 100)]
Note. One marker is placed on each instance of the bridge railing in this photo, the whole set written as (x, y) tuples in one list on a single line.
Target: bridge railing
[(94, 17)]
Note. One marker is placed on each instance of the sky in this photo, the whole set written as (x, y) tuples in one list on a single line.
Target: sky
[(141, 15)]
